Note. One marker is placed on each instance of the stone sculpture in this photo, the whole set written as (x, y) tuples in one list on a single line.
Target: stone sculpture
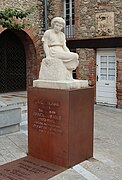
[(59, 62), (56, 69)]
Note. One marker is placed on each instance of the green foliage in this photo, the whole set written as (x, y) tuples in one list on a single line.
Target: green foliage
[(12, 18)]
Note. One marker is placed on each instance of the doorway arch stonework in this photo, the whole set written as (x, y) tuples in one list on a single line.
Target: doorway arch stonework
[(33, 47)]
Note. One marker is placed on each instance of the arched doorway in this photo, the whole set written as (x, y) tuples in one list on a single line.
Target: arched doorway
[(12, 63)]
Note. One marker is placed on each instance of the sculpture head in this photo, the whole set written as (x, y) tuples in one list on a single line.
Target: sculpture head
[(58, 20)]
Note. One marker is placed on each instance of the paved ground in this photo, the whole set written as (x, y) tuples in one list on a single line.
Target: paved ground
[(107, 161)]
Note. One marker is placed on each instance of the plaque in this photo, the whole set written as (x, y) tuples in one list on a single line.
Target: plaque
[(29, 168), (105, 24)]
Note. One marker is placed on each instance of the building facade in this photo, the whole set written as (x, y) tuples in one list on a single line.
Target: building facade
[(93, 30)]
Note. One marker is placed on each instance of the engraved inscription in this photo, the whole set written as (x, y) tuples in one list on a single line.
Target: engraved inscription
[(26, 169), (46, 117)]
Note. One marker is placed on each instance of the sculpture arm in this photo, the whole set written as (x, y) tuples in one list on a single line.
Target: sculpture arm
[(64, 44), (45, 43), (65, 48), (46, 48)]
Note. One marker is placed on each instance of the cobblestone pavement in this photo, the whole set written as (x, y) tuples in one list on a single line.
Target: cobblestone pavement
[(107, 161)]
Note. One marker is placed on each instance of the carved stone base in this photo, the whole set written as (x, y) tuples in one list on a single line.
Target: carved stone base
[(61, 125), (54, 69), (74, 84)]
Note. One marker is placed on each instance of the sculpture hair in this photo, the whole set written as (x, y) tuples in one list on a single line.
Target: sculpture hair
[(59, 20)]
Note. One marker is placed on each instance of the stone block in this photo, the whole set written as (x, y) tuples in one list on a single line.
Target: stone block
[(74, 84), (61, 125), (10, 118)]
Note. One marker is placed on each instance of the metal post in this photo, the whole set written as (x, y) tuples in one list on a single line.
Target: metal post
[(45, 13)]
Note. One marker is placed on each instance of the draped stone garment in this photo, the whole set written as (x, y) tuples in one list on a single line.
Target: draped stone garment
[(57, 49)]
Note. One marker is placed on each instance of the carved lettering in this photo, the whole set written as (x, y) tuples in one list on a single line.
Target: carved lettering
[(49, 103), (46, 117), (26, 168)]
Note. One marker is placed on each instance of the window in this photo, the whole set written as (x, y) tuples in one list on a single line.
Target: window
[(107, 70), (69, 17)]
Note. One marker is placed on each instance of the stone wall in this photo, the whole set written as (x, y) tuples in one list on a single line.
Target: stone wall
[(34, 18), (55, 8), (119, 76), (87, 66), (86, 17)]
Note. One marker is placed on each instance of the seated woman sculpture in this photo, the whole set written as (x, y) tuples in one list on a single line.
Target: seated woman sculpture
[(55, 48)]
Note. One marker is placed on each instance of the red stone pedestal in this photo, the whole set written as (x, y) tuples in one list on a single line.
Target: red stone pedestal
[(61, 125)]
